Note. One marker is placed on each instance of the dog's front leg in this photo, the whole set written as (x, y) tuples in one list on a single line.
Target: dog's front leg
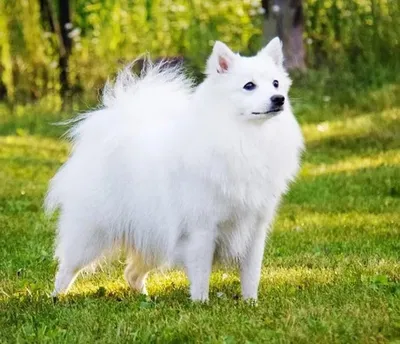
[(198, 263), (250, 266)]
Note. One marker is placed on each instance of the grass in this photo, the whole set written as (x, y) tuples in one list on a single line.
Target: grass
[(331, 271)]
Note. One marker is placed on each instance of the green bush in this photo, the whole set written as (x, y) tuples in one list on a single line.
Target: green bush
[(360, 37), (109, 33)]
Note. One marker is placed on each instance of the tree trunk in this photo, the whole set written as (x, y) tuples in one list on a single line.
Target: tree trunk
[(285, 18), (58, 25), (47, 16), (64, 16)]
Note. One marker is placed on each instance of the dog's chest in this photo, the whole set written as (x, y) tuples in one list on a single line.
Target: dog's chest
[(246, 199), (241, 205)]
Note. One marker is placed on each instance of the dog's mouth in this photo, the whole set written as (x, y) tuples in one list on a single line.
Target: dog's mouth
[(273, 110)]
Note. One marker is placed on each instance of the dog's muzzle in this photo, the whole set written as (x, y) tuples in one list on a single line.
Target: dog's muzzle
[(276, 106)]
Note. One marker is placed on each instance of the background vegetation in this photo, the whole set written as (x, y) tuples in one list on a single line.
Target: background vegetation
[(352, 43)]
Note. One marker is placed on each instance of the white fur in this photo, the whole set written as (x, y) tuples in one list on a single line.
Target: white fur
[(178, 175)]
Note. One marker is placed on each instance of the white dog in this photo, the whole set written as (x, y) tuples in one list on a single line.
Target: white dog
[(180, 175)]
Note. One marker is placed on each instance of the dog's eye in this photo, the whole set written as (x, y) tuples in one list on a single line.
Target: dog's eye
[(276, 83), (250, 86)]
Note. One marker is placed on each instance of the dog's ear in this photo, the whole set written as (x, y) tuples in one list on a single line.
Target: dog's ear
[(221, 59), (274, 50)]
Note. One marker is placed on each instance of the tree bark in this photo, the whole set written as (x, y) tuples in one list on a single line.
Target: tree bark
[(57, 24), (64, 16), (285, 18), (47, 15)]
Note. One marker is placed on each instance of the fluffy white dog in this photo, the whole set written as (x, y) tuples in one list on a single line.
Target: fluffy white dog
[(180, 175)]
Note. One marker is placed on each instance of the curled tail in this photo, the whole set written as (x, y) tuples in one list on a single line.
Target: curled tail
[(159, 76), (131, 104)]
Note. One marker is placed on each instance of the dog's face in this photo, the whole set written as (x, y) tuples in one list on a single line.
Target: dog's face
[(255, 87)]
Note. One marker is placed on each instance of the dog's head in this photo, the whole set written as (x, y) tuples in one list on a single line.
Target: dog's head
[(255, 87)]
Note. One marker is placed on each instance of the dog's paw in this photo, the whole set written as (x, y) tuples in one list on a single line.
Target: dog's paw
[(53, 296), (251, 302), (200, 299)]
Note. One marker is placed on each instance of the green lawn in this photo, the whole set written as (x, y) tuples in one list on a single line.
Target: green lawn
[(331, 271)]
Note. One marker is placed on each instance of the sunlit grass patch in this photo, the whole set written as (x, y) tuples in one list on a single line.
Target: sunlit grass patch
[(354, 221), (30, 146), (355, 126), (354, 163), (297, 277)]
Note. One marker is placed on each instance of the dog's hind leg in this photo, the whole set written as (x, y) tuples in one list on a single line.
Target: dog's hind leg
[(136, 272), (75, 250)]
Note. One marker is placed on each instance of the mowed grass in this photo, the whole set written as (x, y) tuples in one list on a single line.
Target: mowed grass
[(331, 271)]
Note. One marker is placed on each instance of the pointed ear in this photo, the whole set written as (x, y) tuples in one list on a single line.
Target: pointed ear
[(221, 59), (274, 50)]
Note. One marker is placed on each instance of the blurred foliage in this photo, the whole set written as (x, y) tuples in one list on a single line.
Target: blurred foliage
[(360, 38), (358, 41), (107, 34)]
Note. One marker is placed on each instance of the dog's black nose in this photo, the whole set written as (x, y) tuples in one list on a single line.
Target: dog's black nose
[(277, 100)]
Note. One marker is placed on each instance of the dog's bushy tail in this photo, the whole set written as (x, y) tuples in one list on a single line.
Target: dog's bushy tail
[(131, 103), (148, 96), (151, 78)]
